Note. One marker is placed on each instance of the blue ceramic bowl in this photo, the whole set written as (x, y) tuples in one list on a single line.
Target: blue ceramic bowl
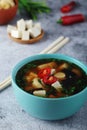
[(49, 108)]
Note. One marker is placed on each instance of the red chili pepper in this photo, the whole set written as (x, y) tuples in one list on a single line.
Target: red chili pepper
[(71, 19), (44, 72), (68, 7), (49, 80)]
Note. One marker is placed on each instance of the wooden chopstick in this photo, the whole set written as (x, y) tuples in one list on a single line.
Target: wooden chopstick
[(5, 83), (57, 44), (57, 41)]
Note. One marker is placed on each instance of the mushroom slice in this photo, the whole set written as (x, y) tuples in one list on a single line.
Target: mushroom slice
[(36, 84), (77, 72), (60, 75), (50, 64)]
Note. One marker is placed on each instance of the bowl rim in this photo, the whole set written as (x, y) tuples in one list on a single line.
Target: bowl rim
[(44, 56)]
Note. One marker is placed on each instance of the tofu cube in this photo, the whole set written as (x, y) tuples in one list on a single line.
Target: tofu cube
[(57, 86), (38, 26), (29, 24), (10, 28), (41, 93), (63, 66), (16, 34), (34, 32), (25, 35), (21, 25), (53, 71), (29, 77)]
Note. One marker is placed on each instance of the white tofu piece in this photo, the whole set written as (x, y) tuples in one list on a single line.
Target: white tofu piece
[(10, 28), (21, 25), (29, 24), (34, 32), (16, 33), (25, 35), (41, 93), (38, 26), (36, 84), (53, 71), (57, 86)]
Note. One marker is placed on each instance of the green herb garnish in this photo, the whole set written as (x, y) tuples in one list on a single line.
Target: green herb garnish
[(33, 8)]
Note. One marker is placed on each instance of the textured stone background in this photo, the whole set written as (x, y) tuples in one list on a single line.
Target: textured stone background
[(12, 116)]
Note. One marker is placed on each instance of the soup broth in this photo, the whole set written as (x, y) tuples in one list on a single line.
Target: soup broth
[(51, 78)]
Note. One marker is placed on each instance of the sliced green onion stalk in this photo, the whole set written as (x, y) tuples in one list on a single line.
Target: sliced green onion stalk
[(33, 8)]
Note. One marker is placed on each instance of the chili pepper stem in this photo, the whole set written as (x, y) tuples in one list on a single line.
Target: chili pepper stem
[(59, 21)]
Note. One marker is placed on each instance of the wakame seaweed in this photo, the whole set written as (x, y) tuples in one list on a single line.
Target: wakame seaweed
[(20, 80)]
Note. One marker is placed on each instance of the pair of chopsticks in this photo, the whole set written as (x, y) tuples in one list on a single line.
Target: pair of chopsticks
[(56, 45)]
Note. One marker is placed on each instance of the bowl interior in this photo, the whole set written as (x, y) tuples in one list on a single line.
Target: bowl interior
[(46, 56)]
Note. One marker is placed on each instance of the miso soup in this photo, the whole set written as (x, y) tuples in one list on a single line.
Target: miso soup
[(51, 78)]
